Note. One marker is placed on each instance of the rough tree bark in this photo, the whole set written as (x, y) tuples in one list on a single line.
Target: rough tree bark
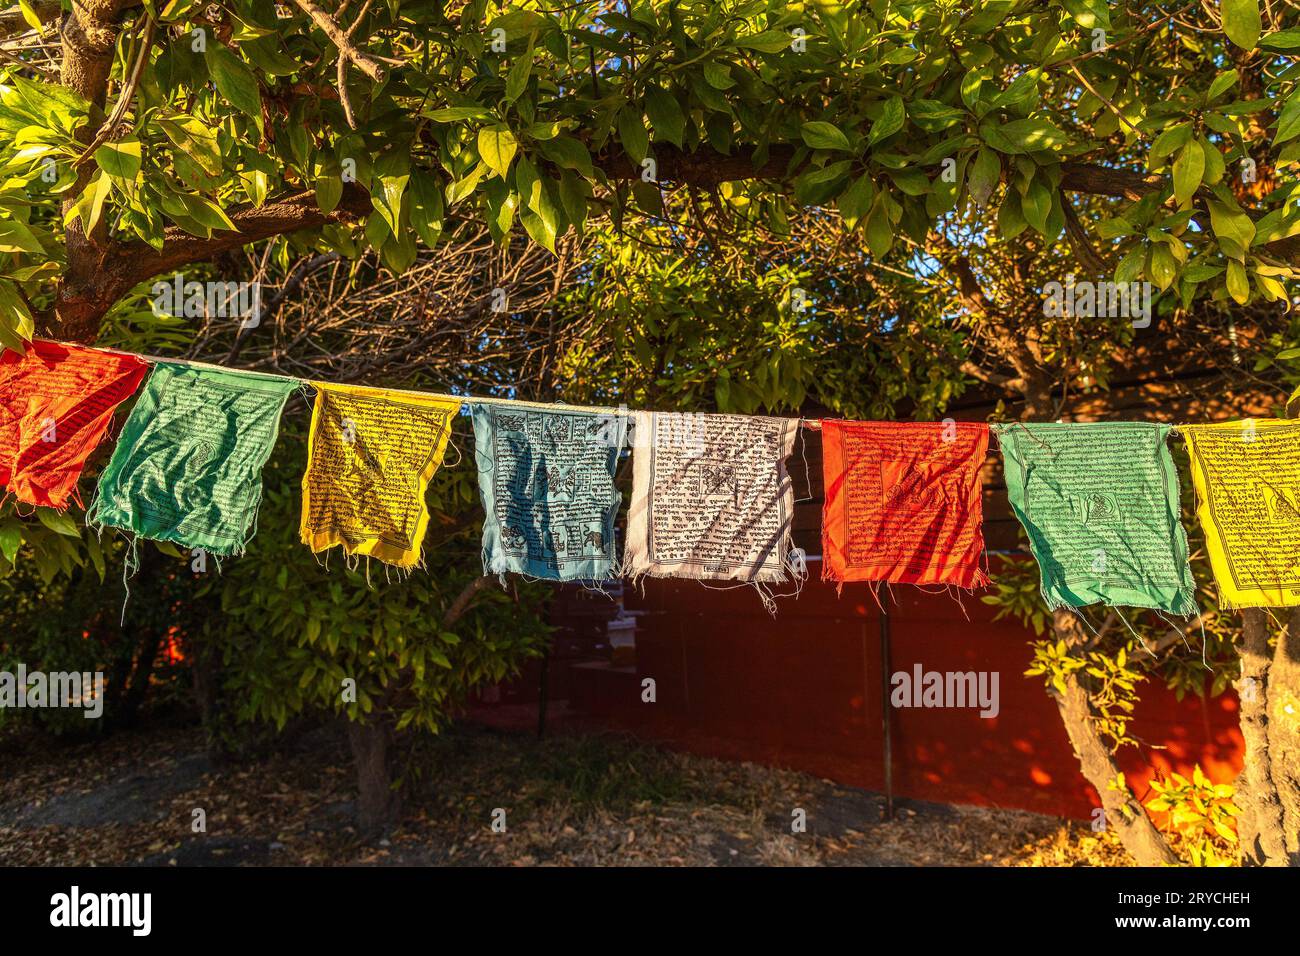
[(379, 802), (1283, 695), (1146, 844), (1260, 826), (1268, 790)]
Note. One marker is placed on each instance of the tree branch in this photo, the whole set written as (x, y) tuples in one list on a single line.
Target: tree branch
[(708, 169), (1079, 241), (363, 61), (114, 268), (13, 23), (463, 601), (705, 168)]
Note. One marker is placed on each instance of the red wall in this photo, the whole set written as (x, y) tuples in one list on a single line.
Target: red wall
[(803, 690)]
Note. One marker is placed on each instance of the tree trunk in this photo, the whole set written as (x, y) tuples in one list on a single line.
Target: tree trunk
[(1124, 814), (1283, 696), (378, 803), (205, 674), (1259, 828), (1273, 761)]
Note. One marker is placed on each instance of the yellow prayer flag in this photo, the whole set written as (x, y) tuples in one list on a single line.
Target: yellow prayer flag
[(1247, 480), (370, 455)]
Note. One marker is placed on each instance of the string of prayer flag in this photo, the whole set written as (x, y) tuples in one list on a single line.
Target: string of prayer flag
[(1099, 502), (56, 403), (1247, 480), (903, 502), (547, 482), (711, 497), (370, 456), (188, 465)]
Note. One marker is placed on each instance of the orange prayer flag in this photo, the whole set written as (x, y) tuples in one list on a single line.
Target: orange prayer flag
[(56, 402), (903, 502)]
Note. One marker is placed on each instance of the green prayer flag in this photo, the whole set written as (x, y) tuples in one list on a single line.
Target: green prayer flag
[(1100, 505), (188, 465)]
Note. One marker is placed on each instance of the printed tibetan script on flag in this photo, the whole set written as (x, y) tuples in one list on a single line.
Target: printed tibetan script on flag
[(370, 455), (56, 403), (547, 481), (903, 502), (1100, 505), (1247, 480), (711, 497), (188, 465)]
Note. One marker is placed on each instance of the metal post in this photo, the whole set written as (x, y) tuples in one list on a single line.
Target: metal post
[(543, 692), (886, 723)]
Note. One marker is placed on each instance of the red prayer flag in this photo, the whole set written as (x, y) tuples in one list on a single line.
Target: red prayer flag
[(56, 402), (904, 502)]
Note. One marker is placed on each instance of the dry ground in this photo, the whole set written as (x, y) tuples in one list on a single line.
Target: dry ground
[(568, 800)]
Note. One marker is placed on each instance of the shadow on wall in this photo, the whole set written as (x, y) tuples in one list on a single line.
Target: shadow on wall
[(804, 690)]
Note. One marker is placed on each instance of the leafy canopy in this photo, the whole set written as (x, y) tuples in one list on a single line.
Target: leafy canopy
[(536, 117)]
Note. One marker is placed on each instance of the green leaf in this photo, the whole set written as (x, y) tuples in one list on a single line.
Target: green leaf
[(329, 190), (17, 237), (1292, 405), (502, 204), (541, 232), (1241, 22), (96, 552), (30, 15), (1288, 122), (197, 139), (11, 539), (454, 114), (769, 41), (568, 153), (1164, 268), (1036, 204), (520, 70), (90, 204), (426, 207), (58, 522), (207, 212), (393, 171), (1011, 217), (1114, 228), (1222, 82), (890, 122), (985, 173), (632, 134), (1132, 265), (16, 323), (1174, 137), (1022, 135), (879, 231), (665, 115), (264, 52), (856, 201), (462, 187), (235, 81), (497, 147), (1237, 282), (718, 76), (1189, 169), (1282, 40), (1233, 228), (120, 159), (819, 134)]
